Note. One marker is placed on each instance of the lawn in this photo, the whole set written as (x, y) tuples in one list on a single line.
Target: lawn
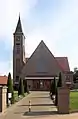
[(74, 100), (17, 98), (16, 95)]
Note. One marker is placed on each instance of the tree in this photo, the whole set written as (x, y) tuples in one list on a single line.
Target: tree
[(75, 69), (59, 84), (53, 87), (9, 84), (56, 98), (10, 88), (25, 86), (21, 87), (13, 98), (75, 76)]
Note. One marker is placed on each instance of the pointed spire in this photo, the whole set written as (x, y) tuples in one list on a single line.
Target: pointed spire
[(19, 26)]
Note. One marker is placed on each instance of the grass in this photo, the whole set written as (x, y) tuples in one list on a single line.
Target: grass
[(17, 98), (74, 100)]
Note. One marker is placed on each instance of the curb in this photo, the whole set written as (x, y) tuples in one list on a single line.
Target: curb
[(73, 111)]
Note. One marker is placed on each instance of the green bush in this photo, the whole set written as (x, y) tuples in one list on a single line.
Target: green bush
[(59, 84), (53, 87), (25, 86), (13, 98), (21, 87), (56, 98), (10, 88), (9, 84)]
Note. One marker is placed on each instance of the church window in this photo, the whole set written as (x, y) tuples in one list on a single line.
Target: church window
[(18, 48), (17, 44), (18, 65)]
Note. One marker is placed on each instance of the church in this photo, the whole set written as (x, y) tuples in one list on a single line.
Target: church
[(41, 67)]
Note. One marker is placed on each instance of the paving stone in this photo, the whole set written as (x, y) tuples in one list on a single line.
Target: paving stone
[(41, 108)]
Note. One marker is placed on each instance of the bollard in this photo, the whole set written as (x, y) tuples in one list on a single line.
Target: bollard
[(29, 105)]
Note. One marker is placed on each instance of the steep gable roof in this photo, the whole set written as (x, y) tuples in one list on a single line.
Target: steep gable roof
[(41, 62), (63, 62)]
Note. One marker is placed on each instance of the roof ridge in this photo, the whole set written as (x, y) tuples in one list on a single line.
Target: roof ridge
[(50, 53)]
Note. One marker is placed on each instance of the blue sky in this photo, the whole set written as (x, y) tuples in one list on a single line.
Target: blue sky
[(53, 21)]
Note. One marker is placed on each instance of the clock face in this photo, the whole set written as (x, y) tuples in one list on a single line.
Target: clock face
[(18, 38)]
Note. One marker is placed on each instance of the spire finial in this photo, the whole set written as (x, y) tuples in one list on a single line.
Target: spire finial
[(19, 15), (19, 26)]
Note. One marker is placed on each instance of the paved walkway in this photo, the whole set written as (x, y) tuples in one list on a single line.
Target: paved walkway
[(42, 108)]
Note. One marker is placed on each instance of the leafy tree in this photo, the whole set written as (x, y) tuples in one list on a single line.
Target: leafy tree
[(75, 76), (75, 69), (21, 87)]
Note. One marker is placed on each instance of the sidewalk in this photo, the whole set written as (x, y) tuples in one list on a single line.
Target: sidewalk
[(41, 108)]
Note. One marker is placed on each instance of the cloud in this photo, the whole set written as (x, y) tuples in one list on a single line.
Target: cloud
[(6, 67), (59, 31), (60, 34), (9, 12)]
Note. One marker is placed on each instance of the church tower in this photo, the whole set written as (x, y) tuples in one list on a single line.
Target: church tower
[(18, 52)]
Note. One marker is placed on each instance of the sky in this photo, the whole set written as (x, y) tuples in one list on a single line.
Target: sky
[(53, 21)]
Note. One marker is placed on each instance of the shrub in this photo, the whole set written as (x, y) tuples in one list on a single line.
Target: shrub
[(10, 89), (59, 84), (59, 81), (25, 86), (13, 98), (56, 98), (9, 84), (21, 87), (53, 87)]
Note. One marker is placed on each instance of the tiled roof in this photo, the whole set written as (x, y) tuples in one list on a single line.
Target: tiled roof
[(3, 80), (63, 62), (41, 62)]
